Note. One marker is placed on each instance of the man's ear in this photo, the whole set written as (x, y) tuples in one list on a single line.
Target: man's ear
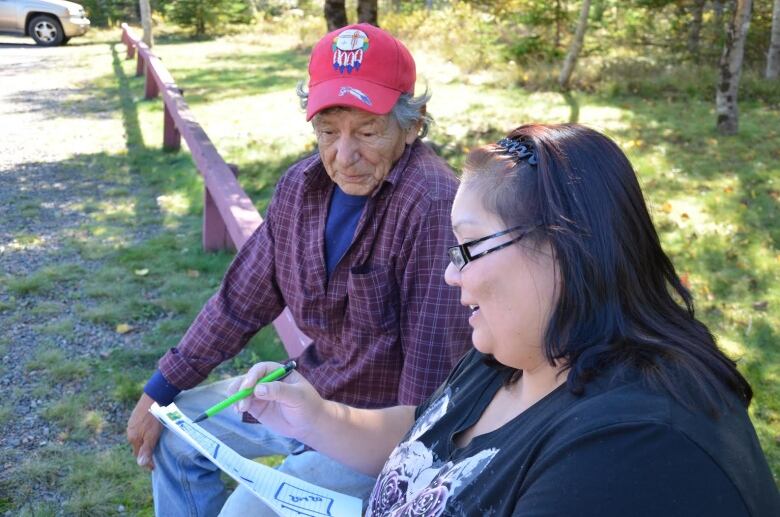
[(411, 134)]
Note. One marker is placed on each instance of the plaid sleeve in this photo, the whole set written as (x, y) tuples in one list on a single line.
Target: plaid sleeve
[(434, 326), (247, 300)]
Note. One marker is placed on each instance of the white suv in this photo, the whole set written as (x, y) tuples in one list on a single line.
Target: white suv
[(48, 22)]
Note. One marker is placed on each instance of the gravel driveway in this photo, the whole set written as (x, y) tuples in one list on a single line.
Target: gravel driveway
[(59, 112)]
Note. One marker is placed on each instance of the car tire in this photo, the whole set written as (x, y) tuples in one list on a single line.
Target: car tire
[(65, 40), (46, 31)]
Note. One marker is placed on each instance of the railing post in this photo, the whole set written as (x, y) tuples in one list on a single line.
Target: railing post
[(215, 234), (129, 44), (171, 135), (151, 89), (139, 65)]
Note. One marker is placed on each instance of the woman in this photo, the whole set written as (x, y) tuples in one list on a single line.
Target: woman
[(591, 389)]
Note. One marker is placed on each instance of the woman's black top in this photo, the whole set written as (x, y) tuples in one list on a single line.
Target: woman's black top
[(619, 449)]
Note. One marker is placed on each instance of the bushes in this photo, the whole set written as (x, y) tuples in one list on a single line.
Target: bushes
[(107, 13), (207, 16)]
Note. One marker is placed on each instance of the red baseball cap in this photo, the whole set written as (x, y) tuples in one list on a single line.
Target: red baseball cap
[(360, 66)]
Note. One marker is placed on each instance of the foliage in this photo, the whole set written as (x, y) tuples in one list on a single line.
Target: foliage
[(107, 13), (207, 16)]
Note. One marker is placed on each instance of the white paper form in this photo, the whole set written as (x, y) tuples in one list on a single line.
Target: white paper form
[(286, 495)]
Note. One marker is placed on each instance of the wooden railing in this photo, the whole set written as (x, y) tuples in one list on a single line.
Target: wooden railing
[(229, 216)]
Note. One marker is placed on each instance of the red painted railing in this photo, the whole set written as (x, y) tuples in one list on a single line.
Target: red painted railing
[(229, 216)]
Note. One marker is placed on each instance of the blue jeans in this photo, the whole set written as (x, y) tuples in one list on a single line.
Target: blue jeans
[(185, 483)]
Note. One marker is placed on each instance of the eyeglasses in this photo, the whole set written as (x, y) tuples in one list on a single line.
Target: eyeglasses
[(460, 254)]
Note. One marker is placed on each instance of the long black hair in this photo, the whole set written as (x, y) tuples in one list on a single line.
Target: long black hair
[(620, 305)]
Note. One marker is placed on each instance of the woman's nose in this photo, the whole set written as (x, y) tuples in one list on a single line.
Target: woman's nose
[(452, 275)]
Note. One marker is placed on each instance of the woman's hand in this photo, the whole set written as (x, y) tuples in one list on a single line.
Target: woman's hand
[(289, 407)]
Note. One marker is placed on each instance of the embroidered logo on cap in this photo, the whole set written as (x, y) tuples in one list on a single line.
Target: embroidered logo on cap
[(348, 49), (355, 93)]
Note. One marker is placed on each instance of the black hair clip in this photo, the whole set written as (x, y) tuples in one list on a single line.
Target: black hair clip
[(520, 150)]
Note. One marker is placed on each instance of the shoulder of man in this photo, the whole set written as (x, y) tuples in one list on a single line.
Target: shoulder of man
[(427, 177), (290, 186)]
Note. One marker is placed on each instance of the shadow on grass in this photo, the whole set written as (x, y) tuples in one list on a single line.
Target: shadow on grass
[(133, 135), (248, 74), (181, 38)]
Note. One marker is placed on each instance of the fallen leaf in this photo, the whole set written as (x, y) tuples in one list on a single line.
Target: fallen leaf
[(123, 328), (728, 190), (141, 272), (684, 216), (667, 207), (193, 273)]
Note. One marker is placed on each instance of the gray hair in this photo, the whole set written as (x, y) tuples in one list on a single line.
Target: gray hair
[(409, 111)]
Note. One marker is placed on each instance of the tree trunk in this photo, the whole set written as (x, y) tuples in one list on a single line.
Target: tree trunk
[(558, 22), (367, 12), (575, 47), (335, 14), (773, 56), (146, 22), (396, 5), (428, 4), (694, 31), (731, 68)]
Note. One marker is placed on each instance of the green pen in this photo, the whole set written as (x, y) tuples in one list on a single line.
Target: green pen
[(276, 375)]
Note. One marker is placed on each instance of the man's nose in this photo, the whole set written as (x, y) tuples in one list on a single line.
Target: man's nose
[(346, 150)]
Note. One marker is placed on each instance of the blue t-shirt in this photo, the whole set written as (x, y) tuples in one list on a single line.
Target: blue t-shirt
[(343, 216)]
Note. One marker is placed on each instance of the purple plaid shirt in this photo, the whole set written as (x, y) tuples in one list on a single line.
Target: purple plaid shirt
[(386, 329)]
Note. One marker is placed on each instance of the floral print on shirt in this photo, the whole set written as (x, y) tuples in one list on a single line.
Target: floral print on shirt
[(414, 482)]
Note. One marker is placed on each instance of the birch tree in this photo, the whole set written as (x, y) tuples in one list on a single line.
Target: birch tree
[(575, 47), (773, 56), (146, 22), (730, 68)]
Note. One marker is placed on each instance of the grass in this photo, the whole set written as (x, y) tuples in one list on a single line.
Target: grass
[(53, 366), (715, 202), (44, 280), (97, 482)]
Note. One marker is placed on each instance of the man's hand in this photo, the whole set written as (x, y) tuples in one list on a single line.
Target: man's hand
[(143, 431)]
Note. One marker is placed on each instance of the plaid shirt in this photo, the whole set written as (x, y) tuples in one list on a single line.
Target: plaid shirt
[(386, 329)]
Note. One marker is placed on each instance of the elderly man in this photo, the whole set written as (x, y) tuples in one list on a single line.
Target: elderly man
[(354, 243)]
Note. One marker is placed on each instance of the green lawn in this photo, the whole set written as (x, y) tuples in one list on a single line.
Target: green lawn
[(715, 201)]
